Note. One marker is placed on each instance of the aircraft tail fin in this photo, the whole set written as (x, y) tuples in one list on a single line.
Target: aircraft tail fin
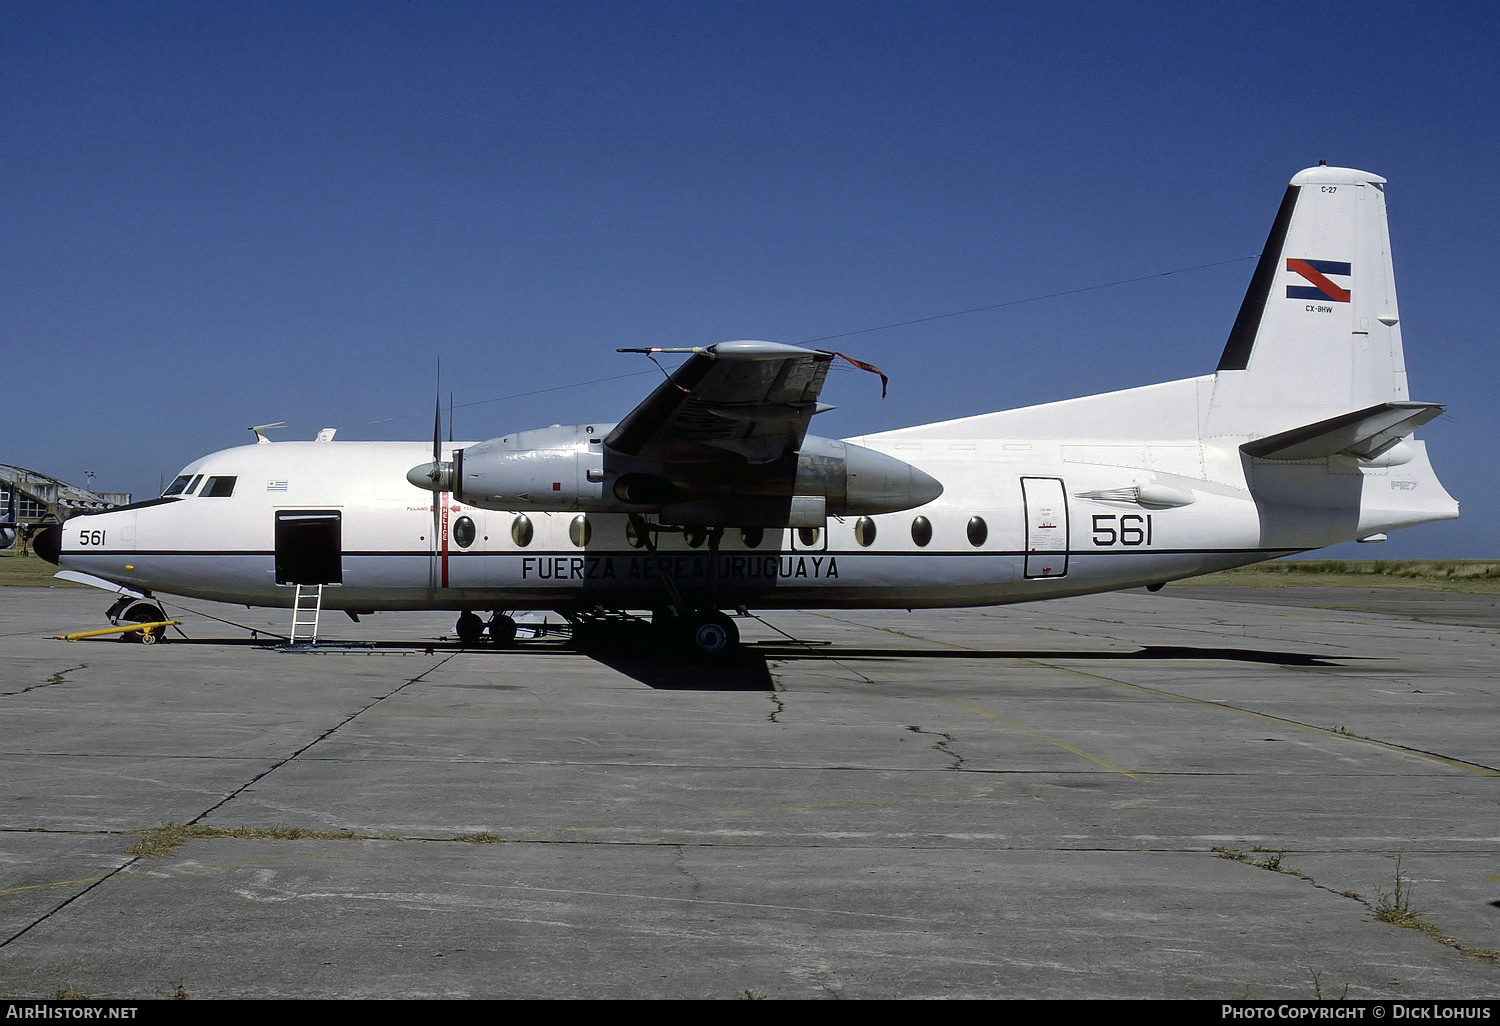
[(1318, 332)]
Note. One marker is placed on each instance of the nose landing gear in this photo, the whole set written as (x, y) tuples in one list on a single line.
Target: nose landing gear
[(132, 610)]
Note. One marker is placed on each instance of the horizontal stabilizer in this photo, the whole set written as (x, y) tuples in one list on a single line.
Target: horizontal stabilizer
[(1364, 434)]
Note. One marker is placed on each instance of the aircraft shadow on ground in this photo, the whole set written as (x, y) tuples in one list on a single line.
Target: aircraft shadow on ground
[(1151, 652), (748, 670), (643, 658), (745, 671)]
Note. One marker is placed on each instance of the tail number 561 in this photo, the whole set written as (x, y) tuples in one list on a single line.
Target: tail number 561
[(1122, 529)]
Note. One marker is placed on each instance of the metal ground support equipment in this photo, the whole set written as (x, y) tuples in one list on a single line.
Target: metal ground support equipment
[(147, 631), (306, 607)]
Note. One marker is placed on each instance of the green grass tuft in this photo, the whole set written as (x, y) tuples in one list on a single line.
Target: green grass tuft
[(1481, 576), (483, 837)]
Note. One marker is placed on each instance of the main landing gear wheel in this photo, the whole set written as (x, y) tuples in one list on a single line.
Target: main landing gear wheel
[(469, 628), (711, 635), (502, 631), (144, 612)]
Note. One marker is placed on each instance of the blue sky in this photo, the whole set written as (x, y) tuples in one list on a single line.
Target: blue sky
[(222, 215)]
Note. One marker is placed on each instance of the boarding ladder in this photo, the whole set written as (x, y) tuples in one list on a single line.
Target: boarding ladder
[(305, 609)]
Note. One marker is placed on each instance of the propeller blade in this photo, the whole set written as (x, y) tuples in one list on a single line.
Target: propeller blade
[(436, 483)]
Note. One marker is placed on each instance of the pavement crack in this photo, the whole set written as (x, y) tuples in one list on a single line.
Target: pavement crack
[(321, 737), (945, 745), (60, 677), (132, 858), (1394, 907), (680, 864)]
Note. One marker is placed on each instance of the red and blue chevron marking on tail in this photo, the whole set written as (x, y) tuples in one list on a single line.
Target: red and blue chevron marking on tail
[(1317, 271)]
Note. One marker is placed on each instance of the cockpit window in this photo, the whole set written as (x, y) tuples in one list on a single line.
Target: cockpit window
[(178, 486), (193, 484), (219, 487)]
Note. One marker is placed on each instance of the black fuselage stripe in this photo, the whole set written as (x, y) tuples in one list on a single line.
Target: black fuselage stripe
[(556, 553)]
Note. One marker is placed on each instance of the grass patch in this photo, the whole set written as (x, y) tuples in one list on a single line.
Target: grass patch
[(159, 842), (1271, 861), (1274, 860), (1317, 979), (1395, 907), (29, 571), (1475, 576)]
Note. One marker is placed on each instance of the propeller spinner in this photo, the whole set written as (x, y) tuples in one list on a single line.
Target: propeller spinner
[(436, 476)]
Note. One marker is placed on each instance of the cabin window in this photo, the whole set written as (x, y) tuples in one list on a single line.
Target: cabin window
[(219, 487), (520, 530), (921, 530), (978, 531), (580, 530), (864, 531), (752, 537), (634, 535), (809, 535), (463, 532), (695, 536)]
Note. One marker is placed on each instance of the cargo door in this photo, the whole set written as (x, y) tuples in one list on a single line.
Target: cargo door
[(309, 546)]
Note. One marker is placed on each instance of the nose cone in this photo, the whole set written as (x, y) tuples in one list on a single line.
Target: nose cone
[(47, 543), (434, 477)]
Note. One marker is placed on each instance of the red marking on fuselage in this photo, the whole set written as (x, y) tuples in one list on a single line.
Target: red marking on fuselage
[(445, 539)]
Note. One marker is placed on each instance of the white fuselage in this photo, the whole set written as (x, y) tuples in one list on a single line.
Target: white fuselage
[(1019, 520)]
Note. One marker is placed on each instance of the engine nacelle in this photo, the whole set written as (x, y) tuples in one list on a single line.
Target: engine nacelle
[(557, 469)]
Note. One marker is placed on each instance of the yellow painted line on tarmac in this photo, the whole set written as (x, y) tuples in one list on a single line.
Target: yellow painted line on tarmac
[(973, 794), (1280, 721), (55, 885), (1055, 741)]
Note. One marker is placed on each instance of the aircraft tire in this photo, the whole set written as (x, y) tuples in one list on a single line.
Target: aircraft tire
[(502, 631), (712, 635), (144, 612), (469, 628)]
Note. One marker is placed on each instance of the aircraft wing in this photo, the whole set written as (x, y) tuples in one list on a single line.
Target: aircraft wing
[(731, 403)]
